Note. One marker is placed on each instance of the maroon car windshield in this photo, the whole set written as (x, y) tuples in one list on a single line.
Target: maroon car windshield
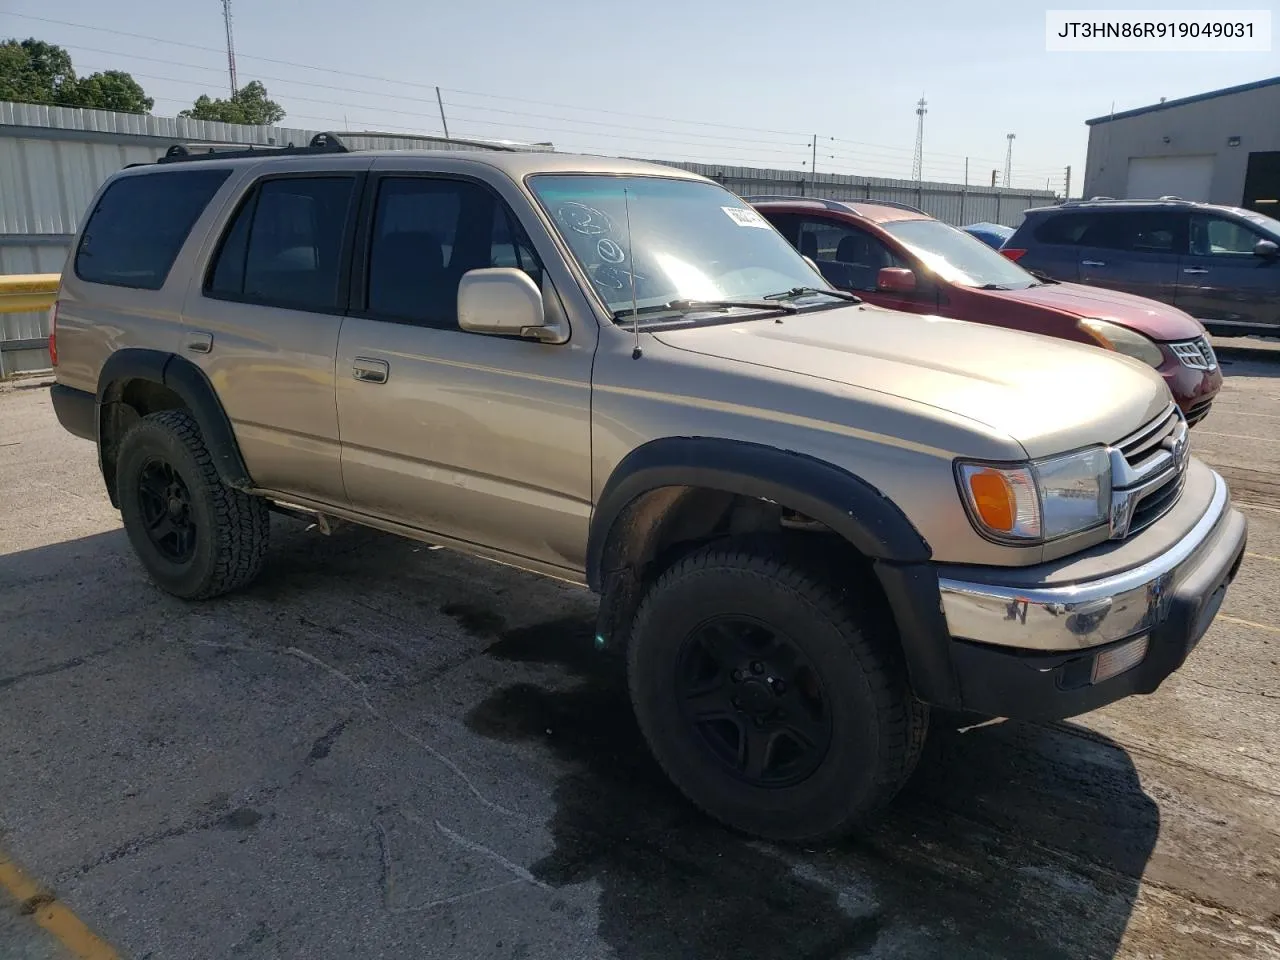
[(958, 257)]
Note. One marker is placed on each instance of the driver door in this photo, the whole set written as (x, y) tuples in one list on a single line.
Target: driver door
[(1221, 281), (483, 439)]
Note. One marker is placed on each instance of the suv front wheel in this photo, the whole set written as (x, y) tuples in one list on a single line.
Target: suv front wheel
[(196, 537), (768, 694)]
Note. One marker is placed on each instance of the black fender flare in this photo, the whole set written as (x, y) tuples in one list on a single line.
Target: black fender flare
[(191, 384), (842, 501)]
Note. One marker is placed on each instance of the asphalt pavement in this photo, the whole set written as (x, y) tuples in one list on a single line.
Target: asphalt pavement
[(384, 750)]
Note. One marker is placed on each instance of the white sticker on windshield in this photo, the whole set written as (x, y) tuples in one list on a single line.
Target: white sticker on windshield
[(745, 218)]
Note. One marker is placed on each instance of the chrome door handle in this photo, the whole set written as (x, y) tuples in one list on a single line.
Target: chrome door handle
[(370, 371), (1093, 263), (199, 342), (1194, 270)]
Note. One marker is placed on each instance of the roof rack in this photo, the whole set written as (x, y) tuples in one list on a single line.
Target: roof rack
[(320, 143), (830, 204), (1108, 200)]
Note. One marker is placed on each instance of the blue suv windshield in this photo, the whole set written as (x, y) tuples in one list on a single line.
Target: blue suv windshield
[(687, 240), (959, 258)]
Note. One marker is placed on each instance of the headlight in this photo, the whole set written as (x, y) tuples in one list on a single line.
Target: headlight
[(1040, 500), (1123, 340)]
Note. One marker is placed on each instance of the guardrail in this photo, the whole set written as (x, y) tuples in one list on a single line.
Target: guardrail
[(25, 292)]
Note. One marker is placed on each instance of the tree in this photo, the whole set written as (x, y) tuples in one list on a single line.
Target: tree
[(32, 71), (110, 90), (249, 105)]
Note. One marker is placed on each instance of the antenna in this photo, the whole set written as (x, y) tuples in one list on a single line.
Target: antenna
[(231, 46), (916, 160), (636, 352), (1008, 158)]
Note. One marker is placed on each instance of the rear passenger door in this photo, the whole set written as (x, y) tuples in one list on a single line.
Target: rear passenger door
[(482, 439), (1134, 251), (1222, 281), (263, 321)]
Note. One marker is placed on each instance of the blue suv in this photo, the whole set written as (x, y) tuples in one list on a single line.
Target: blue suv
[(1219, 264)]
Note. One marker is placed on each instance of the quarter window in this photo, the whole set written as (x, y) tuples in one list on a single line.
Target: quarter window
[(139, 225)]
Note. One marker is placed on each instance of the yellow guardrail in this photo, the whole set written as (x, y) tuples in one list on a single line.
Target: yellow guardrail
[(24, 292)]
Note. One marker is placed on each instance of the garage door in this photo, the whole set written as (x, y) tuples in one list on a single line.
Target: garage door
[(1185, 177)]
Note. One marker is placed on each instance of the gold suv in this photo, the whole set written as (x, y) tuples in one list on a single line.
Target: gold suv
[(808, 518)]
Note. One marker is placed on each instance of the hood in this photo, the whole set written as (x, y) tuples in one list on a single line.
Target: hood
[(1049, 395), (1154, 319)]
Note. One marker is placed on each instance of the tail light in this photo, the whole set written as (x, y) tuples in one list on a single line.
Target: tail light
[(1013, 254), (53, 334)]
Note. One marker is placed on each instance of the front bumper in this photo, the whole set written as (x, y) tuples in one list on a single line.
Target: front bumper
[(1032, 653)]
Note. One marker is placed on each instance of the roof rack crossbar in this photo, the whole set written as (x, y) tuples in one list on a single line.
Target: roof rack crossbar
[(320, 143)]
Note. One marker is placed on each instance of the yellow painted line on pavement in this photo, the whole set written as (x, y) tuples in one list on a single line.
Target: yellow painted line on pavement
[(51, 914), (1249, 623), (1262, 556), (1255, 506)]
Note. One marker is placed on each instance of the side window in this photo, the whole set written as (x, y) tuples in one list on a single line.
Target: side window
[(1220, 237), (284, 247), (427, 232), (1139, 231), (1066, 229), (848, 257), (140, 224)]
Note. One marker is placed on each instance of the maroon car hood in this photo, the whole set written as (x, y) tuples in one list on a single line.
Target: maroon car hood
[(1157, 320)]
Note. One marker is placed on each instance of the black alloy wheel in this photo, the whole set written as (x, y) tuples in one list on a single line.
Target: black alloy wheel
[(754, 701)]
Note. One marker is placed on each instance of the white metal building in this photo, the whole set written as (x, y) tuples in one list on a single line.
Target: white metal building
[(1220, 147)]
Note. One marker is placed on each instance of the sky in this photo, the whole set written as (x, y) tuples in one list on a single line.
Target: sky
[(747, 84)]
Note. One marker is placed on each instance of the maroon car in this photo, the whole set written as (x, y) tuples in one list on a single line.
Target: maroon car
[(897, 256)]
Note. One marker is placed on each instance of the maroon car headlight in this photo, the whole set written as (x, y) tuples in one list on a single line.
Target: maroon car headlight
[(1112, 336)]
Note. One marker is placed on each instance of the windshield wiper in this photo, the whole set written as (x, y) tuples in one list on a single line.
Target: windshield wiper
[(693, 306), (795, 292), (994, 286), (1044, 278)]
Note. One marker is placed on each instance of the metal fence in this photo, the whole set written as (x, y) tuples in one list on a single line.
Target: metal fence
[(949, 202)]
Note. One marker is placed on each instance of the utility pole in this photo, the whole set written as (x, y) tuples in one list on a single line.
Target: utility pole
[(1066, 194), (917, 159), (813, 161), (1008, 159), (231, 47), (443, 122), (965, 191), (994, 175)]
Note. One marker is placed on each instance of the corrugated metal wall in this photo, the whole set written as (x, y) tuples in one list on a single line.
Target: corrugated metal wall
[(949, 202)]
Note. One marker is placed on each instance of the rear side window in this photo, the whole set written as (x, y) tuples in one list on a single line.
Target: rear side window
[(140, 224), (1065, 229), (284, 247)]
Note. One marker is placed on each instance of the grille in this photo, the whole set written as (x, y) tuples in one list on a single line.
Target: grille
[(1199, 410), (1196, 354), (1146, 475)]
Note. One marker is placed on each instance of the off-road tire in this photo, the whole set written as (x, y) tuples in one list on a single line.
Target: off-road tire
[(232, 528), (878, 727)]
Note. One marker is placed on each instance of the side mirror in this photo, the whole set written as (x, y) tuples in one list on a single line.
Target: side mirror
[(503, 301), (1267, 249), (895, 280)]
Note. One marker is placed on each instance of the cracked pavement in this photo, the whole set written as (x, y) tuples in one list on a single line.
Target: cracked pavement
[(385, 750)]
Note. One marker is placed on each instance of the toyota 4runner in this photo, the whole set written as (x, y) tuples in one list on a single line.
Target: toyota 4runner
[(809, 519)]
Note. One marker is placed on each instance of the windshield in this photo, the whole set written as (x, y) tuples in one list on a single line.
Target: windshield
[(689, 241), (1268, 224), (958, 257)]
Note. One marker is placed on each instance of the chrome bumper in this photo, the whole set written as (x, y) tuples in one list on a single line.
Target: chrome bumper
[(1080, 615)]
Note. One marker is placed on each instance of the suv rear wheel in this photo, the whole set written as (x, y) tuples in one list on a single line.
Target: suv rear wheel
[(767, 696), (195, 536)]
